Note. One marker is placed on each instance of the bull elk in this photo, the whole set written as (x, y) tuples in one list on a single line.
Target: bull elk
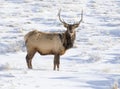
[(50, 43)]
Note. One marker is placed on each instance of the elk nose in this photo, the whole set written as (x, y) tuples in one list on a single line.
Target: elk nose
[(71, 31)]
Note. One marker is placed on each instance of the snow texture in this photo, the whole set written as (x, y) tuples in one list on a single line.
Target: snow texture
[(93, 62)]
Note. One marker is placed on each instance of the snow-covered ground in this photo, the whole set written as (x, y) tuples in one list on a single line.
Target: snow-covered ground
[(93, 63)]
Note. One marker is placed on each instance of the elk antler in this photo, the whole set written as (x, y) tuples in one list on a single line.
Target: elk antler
[(60, 18), (81, 17)]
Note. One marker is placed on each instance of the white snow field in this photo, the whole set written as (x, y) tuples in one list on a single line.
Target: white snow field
[(93, 62)]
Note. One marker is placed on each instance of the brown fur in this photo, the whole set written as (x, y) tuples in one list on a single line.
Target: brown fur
[(44, 43)]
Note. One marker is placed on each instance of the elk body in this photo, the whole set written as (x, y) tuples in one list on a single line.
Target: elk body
[(50, 43)]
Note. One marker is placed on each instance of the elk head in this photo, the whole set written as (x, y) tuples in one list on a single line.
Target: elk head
[(70, 33)]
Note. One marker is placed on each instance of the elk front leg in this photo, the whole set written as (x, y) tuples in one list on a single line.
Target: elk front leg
[(56, 61)]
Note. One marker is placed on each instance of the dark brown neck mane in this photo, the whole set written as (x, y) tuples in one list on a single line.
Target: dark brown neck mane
[(68, 40)]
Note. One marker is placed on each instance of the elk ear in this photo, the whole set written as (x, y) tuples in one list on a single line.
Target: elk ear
[(65, 25), (75, 25)]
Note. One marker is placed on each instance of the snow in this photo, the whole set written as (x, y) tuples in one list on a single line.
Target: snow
[(93, 62)]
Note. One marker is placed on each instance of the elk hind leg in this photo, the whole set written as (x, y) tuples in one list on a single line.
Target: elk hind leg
[(29, 57)]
